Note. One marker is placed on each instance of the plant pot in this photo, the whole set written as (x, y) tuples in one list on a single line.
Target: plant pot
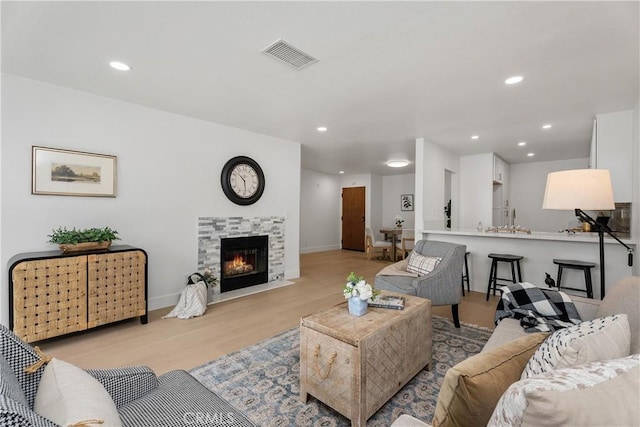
[(357, 306), (85, 246)]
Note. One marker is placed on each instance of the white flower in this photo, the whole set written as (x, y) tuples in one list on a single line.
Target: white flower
[(348, 289), (362, 290)]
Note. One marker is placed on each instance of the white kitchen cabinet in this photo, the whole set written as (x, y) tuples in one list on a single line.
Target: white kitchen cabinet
[(612, 149)]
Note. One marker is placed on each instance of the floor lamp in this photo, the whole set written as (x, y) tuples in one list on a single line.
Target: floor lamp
[(580, 190)]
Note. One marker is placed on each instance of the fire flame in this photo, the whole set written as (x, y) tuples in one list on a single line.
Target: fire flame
[(238, 261), (237, 266)]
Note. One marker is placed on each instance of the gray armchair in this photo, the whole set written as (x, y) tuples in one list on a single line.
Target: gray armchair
[(441, 286), (142, 398)]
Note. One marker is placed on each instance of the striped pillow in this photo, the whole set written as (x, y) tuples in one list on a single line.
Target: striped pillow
[(421, 264)]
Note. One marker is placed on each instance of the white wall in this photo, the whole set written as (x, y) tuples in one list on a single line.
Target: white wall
[(168, 175), (320, 207), (527, 184), (376, 202), (392, 187), (432, 163)]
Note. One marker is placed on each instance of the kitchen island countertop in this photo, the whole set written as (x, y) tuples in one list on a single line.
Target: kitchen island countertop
[(535, 235)]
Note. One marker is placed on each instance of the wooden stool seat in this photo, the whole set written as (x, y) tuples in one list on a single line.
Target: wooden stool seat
[(493, 273), (576, 265)]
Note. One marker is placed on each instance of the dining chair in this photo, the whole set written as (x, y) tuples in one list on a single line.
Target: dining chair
[(373, 246), (406, 243)]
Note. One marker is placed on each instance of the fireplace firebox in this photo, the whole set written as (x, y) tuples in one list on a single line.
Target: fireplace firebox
[(243, 262)]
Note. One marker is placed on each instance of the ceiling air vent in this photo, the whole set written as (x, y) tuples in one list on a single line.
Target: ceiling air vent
[(290, 55)]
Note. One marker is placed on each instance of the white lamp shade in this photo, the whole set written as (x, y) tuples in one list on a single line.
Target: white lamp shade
[(586, 189)]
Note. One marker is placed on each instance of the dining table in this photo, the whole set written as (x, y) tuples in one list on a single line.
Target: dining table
[(393, 233)]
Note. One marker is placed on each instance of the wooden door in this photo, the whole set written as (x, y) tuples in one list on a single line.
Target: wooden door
[(353, 218)]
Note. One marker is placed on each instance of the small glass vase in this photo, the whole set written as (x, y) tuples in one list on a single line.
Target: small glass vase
[(357, 306)]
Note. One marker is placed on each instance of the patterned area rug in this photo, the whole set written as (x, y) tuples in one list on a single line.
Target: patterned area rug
[(263, 380)]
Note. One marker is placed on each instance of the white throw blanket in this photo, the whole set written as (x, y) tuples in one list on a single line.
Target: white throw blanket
[(397, 269), (192, 302)]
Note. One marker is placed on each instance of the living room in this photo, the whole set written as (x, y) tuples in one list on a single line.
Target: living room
[(169, 162)]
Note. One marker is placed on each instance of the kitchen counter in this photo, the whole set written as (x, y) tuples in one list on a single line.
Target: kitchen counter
[(539, 249), (535, 235)]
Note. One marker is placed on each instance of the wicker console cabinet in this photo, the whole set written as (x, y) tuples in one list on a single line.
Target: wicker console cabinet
[(52, 294)]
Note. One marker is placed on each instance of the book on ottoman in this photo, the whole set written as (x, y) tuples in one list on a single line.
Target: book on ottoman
[(387, 301)]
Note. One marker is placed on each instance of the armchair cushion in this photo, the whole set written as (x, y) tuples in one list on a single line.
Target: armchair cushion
[(126, 384), (68, 395), (180, 393)]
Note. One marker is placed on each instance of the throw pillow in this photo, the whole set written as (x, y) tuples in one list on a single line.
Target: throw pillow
[(544, 394), (471, 389), (68, 395), (599, 339), (421, 264)]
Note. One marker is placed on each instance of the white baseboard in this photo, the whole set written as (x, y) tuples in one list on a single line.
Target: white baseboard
[(313, 249), (163, 301)]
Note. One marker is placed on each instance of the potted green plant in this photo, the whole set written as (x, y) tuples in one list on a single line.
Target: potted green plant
[(83, 240)]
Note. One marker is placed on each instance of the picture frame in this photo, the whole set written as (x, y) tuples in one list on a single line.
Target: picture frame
[(406, 202), (61, 172)]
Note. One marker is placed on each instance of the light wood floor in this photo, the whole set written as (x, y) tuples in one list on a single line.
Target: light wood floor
[(166, 344)]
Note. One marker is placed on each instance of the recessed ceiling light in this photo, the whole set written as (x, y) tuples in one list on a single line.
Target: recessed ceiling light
[(121, 66), (475, 137), (321, 129), (530, 154), (340, 172), (397, 163), (547, 126), (513, 80), (522, 143)]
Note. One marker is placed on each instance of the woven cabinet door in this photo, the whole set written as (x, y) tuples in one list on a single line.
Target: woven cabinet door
[(49, 297), (116, 287)]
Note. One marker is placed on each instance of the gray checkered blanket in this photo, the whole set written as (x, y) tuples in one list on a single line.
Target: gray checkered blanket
[(539, 310)]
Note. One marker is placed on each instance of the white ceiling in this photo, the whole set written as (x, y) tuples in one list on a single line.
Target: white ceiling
[(388, 72)]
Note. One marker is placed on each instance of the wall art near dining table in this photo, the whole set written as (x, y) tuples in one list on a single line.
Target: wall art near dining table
[(406, 202)]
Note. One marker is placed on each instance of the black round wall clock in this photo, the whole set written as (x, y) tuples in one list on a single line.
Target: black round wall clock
[(242, 180)]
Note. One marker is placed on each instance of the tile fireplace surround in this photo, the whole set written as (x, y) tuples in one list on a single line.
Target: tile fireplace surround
[(212, 229)]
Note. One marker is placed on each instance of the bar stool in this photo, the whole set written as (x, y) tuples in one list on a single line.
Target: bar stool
[(493, 274), (465, 276), (576, 265)]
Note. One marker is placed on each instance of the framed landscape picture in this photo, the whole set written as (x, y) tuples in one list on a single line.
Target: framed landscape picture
[(406, 202), (72, 173)]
